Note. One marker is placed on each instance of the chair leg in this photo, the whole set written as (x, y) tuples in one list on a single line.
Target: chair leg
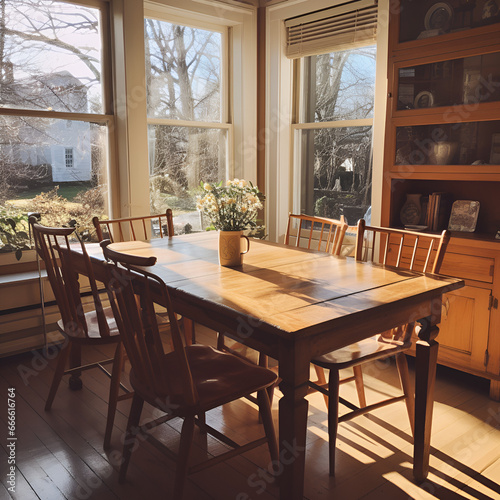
[(189, 332), (202, 422), (333, 416), (404, 377), (267, 421), (75, 360), (264, 362), (360, 386), (220, 341), (130, 436), (58, 374), (320, 373), (114, 388), (181, 470)]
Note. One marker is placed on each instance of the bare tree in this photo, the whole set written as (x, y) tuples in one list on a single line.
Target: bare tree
[(39, 40), (342, 83), (183, 77)]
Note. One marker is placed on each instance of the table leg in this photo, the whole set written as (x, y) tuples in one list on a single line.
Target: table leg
[(425, 376), (292, 429)]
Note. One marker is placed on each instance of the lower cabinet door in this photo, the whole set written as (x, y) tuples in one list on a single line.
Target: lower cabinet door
[(463, 331)]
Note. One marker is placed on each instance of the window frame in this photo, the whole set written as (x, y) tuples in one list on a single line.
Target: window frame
[(226, 118), (69, 158), (299, 124), (106, 118), (279, 115), (241, 69)]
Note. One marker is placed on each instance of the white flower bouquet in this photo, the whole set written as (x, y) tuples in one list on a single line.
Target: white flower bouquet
[(231, 207)]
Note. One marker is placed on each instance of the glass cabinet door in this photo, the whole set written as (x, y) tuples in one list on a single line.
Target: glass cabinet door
[(468, 80), (469, 143), (422, 19)]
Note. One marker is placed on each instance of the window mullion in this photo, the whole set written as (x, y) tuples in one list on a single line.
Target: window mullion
[(361, 122), (188, 123)]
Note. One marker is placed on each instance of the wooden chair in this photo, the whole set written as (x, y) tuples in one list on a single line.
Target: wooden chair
[(135, 228), (390, 247), (313, 233), (138, 229), (187, 382), (96, 327)]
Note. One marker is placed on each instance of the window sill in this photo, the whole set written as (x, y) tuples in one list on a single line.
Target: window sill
[(21, 277), (9, 265)]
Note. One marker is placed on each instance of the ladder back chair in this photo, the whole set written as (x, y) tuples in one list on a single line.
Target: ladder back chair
[(186, 382), (95, 327), (313, 233), (135, 228), (140, 229), (396, 248)]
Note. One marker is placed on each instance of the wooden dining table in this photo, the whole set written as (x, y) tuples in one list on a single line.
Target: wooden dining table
[(292, 305)]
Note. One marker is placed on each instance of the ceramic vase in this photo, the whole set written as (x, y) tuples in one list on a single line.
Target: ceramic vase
[(230, 253), (411, 211)]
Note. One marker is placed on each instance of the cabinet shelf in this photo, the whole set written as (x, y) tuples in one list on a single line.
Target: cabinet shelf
[(458, 113), (471, 39), (447, 172)]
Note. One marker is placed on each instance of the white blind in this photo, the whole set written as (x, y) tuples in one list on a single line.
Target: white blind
[(341, 27)]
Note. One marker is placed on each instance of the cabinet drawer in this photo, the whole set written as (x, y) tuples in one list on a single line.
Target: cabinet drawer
[(470, 267)]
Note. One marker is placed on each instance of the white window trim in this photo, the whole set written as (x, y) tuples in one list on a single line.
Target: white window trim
[(279, 112)]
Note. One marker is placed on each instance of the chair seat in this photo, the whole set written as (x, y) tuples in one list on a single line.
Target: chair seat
[(368, 349), (217, 377), (93, 335)]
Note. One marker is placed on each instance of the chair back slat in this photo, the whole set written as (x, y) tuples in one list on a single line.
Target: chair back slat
[(400, 251), (135, 228), (317, 233), (80, 259), (131, 290)]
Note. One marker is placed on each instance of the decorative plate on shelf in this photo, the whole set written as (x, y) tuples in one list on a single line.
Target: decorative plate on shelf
[(439, 16), (464, 216), (424, 99), (490, 9)]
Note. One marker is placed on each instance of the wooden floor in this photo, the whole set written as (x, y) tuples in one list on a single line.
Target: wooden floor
[(59, 454)]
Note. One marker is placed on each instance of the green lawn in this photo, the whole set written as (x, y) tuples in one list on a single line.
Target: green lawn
[(68, 191)]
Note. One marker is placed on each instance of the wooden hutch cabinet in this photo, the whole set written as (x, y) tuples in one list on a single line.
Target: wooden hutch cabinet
[(443, 143)]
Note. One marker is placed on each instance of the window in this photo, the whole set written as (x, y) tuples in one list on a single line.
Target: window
[(68, 156), (333, 136), (54, 114), (188, 127)]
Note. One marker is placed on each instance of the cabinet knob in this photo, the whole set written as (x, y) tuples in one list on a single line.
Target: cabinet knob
[(389, 95)]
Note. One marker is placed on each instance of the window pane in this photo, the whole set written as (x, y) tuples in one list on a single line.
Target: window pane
[(183, 71), (34, 157), (51, 56), (179, 158), (339, 85), (340, 182)]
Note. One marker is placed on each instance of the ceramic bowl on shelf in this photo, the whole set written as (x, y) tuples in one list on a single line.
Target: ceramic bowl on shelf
[(442, 153)]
